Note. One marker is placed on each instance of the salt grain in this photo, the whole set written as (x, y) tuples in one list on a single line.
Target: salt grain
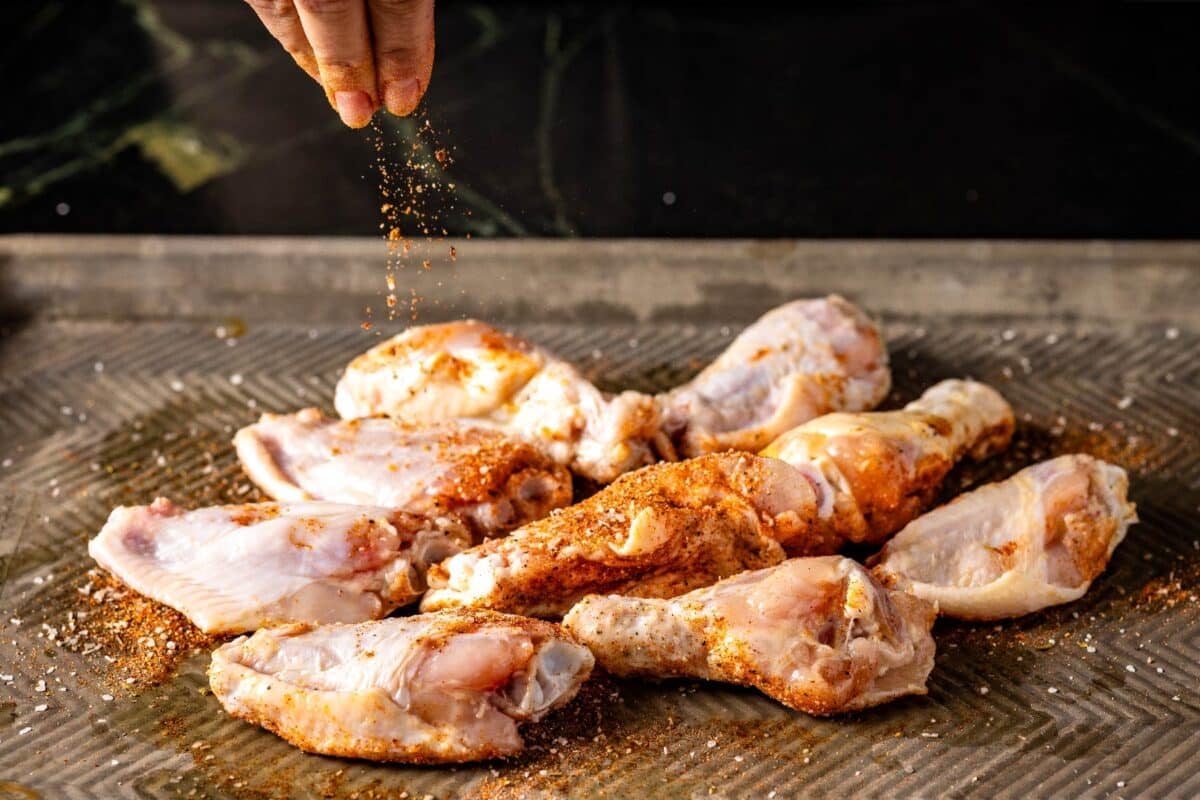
[(1130, 668), (106, 698), (177, 385), (236, 379), (40, 707)]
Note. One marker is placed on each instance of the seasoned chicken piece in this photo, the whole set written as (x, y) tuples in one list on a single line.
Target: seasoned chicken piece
[(432, 688), (799, 361), (492, 481), (877, 471), (670, 528), (820, 635), (657, 532), (231, 569), (1035, 540), (472, 372)]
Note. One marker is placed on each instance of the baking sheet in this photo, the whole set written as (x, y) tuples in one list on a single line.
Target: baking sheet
[(1099, 698)]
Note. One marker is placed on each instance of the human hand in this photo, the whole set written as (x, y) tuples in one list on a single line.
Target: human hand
[(364, 53)]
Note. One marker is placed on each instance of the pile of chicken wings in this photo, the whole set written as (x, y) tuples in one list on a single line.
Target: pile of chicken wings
[(712, 552)]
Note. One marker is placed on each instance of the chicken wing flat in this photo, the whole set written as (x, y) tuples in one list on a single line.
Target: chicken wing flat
[(470, 371), (445, 687), (877, 471), (819, 635), (660, 531), (1020, 545), (799, 361), (492, 481), (231, 569)]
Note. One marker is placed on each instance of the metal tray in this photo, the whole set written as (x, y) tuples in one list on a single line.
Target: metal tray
[(116, 387)]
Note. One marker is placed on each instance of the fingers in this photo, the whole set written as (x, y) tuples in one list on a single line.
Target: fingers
[(340, 39), (403, 33), (282, 21)]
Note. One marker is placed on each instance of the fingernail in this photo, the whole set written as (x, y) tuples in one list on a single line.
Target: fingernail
[(401, 96), (355, 108)]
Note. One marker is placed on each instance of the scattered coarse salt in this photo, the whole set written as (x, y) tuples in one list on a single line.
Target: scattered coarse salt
[(40, 686), (114, 762), (98, 366), (1172, 333), (6, 463), (236, 379), (106, 698), (929, 735), (711, 743), (1125, 402), (1130, 668), (984, 690), (1091, 648), (1051, 338), (1172, 432), (40, 707), (177, 385), (6, 678), (1008, 335), (24, 731), (1120, 784), (1053, 690)]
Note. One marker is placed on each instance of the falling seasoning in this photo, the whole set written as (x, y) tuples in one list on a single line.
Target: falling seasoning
[(414, 196)]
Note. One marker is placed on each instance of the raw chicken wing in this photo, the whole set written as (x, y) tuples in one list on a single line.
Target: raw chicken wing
[(820, 635), (799, 361), (876, 471), (657, 532), (231, 569), (432, 688), (492, 481), (472, 372), (1009, 548)]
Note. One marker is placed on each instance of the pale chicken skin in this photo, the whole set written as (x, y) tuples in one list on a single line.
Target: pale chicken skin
[(799, 361), (231, 569), (1017, 546), (432, 688), (492, 481), (670, 528), (876, 471), (819, 635), (471, 372)]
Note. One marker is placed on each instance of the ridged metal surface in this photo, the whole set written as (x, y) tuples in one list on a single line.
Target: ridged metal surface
[(1123, 720)]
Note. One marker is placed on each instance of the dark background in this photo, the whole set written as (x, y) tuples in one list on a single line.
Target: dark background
[(929, 120)]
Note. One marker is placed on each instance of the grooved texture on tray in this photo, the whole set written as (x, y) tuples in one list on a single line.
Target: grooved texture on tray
[(93, 414)]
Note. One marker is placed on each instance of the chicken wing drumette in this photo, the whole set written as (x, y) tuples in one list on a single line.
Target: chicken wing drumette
[(819, 635), (1020, 545), (799, 361)]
